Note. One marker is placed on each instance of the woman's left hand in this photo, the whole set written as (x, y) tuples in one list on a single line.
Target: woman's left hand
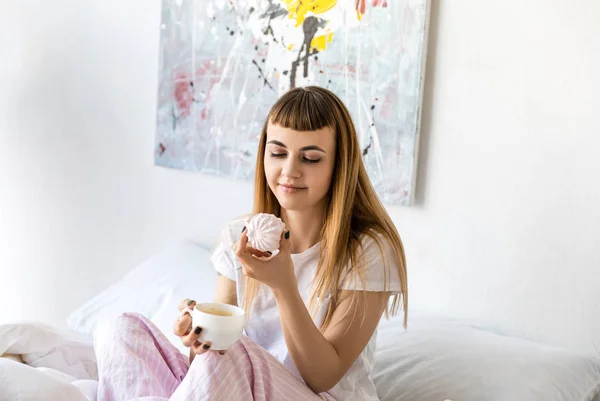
[(277, 272)]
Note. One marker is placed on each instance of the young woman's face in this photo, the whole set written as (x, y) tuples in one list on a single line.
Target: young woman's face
[(299, 165)]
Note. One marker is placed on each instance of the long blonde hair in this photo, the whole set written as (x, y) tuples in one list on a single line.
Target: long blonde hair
[(353, 209)]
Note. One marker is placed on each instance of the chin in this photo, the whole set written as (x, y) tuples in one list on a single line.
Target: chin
[(288, 204)]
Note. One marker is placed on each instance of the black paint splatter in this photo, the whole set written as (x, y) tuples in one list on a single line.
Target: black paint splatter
[(310, 27), (366, 150), (274, 11), (262, 75)]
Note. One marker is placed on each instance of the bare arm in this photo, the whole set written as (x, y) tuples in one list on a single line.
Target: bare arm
[(225, 292), (322, 359)]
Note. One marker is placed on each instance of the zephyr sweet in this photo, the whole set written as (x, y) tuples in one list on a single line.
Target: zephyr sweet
[(264, 232)]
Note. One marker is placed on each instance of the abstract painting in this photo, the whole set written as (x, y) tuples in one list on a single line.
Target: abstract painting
[(224, 63)]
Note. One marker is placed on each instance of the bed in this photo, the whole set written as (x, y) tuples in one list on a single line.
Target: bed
[(434, 360)]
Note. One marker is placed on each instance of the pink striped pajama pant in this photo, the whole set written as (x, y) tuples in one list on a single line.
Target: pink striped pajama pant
[(137, 362)]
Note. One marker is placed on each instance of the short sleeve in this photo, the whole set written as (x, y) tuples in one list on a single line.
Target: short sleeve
[(223, 257), (380, 267)]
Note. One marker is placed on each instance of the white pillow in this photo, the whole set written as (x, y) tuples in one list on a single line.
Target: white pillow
[(153, 289), (438, 359)]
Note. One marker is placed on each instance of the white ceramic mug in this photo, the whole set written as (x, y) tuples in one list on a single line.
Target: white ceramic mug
[(221, 324)]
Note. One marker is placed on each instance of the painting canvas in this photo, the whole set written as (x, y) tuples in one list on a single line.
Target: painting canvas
[(224, 63)]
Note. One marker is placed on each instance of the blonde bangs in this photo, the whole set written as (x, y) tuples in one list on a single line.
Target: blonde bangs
[(303, 110)]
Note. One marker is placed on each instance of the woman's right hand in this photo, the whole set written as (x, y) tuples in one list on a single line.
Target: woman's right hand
[(183, 328)]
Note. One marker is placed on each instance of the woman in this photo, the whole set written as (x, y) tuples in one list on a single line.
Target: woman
[(313, 308)]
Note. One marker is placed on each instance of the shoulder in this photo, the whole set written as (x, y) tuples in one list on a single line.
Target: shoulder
[(223, 256), (231, 233), (373, 246), (375, 267)]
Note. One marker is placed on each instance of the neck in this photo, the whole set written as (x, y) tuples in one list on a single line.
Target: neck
[(304, 226)]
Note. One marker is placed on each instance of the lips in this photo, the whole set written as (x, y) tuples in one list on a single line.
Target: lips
[(291, 188)]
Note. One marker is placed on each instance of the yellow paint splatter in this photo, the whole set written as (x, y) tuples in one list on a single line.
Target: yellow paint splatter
[(298, 9), (320, 42)]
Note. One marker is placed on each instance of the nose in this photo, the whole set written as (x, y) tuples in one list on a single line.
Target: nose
[(291, 168)]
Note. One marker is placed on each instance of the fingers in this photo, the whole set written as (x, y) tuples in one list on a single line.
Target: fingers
[(243, 250), (192, 340), (192, 337), (183, 326), (186, 303), (244, 239), (257, 253), (285, 246), (240, 248), (201, 348)]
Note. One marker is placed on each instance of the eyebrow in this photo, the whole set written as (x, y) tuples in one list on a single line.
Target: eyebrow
[(303, 149)]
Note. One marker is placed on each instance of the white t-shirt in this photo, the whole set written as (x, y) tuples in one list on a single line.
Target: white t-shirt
[(264, 326)]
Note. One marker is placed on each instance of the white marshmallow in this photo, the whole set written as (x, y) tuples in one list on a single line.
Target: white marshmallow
[(264, 232)]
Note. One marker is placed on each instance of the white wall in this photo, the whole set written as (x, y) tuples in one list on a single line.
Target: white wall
[(507, 226), (80, 200)]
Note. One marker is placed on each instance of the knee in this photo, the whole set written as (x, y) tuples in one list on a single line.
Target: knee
[(114, 327), (246, 343)]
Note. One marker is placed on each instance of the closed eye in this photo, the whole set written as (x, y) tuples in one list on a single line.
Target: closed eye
[(304, 159)]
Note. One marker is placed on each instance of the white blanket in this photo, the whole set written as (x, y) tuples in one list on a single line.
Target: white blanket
[(40, 363)]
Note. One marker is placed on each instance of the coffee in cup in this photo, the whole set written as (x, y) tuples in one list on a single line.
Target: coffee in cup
[(217, 312)]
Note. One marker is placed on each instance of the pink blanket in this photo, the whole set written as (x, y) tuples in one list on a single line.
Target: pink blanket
[(137, 362)]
